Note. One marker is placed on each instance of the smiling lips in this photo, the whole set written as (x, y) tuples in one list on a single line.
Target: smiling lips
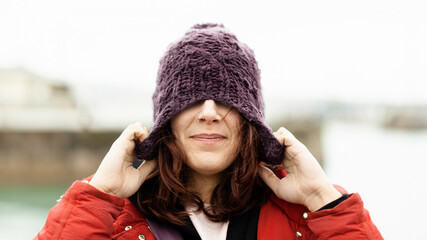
[(208, 138)]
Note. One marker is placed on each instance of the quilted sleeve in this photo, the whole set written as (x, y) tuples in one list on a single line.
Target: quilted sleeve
[(84, 212), (348, 220)]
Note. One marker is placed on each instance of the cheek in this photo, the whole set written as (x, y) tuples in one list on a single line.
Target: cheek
[(235, 131), (179, 127), (180, 142)]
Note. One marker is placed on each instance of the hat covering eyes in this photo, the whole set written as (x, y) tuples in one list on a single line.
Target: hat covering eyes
[(209, 62)]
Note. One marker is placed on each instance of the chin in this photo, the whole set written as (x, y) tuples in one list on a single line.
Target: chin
[(208, 172), (206, 165)]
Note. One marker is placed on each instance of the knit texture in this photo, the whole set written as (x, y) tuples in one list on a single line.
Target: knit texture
[(210, 63)]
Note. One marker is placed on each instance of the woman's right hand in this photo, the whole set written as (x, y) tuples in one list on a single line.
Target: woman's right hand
[(115, 174)]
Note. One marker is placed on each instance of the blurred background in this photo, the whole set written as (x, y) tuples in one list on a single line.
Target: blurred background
[(348, 78)]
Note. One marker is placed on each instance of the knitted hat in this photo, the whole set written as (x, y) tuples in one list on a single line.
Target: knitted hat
[(210, 63)]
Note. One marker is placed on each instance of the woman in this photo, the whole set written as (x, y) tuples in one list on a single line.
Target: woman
[(210, 175)]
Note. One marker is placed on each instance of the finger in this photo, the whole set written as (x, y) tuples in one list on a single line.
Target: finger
[(285, 137), (128, 132), (135, 131), (269, 178), (141, 133), (146, 168), (280, 138), (129, 137)]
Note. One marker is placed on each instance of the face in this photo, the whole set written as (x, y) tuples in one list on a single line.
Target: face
[(208, 133)]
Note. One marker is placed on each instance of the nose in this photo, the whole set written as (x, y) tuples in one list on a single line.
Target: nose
[(209, 112)]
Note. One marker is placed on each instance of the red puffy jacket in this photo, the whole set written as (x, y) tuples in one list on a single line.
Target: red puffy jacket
[(84, 212)]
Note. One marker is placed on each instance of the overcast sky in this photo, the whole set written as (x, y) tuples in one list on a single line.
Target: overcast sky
[(368, 51)]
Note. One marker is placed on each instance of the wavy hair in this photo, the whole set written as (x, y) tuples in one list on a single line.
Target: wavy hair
[(166, 191)]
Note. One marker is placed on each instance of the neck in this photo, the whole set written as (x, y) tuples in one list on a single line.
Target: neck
[(204, 185)]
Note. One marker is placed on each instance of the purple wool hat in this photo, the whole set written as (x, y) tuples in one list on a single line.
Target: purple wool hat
[(210, 63)]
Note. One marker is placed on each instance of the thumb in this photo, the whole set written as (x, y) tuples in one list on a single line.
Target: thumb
[(269, 178), (145, 169)]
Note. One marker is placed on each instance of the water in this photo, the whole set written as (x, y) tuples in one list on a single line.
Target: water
[(20, 221), (24, 209), (385, 166)]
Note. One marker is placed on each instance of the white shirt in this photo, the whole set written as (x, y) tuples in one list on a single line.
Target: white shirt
[(207, 229)]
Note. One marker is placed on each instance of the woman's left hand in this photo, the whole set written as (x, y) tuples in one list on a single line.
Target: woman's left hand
[(305, 183)]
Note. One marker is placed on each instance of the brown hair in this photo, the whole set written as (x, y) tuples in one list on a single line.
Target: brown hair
[(165, 192)]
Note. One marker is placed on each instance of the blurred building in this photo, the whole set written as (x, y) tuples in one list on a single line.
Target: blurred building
[(29, 102), (44, 137)]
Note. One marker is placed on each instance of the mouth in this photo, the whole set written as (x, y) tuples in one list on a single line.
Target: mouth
[(208, 138)]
